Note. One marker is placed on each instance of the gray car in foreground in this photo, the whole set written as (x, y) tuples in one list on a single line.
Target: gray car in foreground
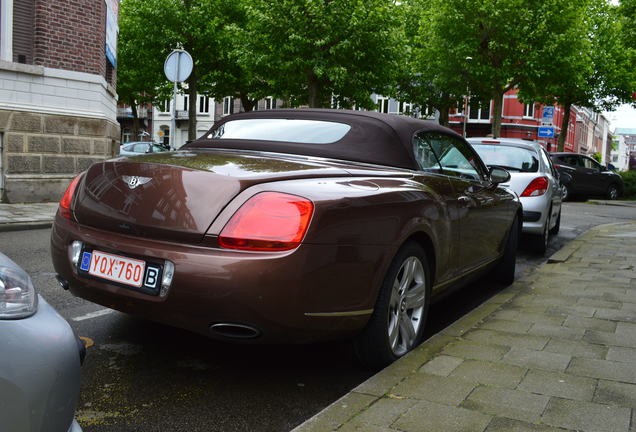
[(533, 177), (40, 359)]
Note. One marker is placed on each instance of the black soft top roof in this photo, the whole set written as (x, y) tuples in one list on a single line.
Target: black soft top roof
[(383, 139)]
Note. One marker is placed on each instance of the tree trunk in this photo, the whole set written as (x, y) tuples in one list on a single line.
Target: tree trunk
[(313, 89), (135, 125), (565, 123), (248, 104), (497, 106), (192, 105), (444, 115)]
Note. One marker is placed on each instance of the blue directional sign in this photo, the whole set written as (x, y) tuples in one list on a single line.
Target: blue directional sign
[(548, 114), (546, 132)]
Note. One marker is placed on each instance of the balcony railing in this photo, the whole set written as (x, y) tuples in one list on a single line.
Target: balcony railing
[(126, 112)]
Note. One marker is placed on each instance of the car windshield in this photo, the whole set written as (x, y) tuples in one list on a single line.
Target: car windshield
[(511, 158), (287, 130)]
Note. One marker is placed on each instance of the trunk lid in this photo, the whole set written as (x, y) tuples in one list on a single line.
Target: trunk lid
[(176, 196)]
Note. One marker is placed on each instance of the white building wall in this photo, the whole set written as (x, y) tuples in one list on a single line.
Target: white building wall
[(163, 120), (38, 89)]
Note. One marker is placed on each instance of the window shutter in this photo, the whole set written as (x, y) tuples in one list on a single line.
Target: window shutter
[(23, 31)]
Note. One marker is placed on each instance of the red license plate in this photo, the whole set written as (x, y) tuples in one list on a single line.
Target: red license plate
[(117, 268)]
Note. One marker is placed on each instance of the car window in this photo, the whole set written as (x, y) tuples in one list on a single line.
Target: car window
[(508, 157), (548, 162), (157, 148), (573, 160), (127, 147), (591, 163), (424, 154), (455, 157), (287, 130)]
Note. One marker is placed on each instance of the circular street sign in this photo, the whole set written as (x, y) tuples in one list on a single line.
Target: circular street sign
[(178, 66)]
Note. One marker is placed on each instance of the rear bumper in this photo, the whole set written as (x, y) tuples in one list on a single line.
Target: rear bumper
[(535, 212), (277, 293)]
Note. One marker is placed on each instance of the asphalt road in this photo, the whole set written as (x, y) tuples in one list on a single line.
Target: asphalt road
[(142, 376)]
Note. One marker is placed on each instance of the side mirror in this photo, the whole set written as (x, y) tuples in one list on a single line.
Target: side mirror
[(499, 175), (603, 168)]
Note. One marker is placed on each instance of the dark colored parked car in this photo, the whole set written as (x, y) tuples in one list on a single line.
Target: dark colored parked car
[(291, 226), (583, 176)]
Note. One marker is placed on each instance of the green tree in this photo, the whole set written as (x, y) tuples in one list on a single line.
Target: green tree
[(428, 79), (309, 50), (596, 73), (151, 29), (509, 43)]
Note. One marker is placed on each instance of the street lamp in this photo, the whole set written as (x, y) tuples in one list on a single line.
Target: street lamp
[(466, 97)]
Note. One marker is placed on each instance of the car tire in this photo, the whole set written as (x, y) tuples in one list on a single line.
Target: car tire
[(395, 327), (612, 192), (504, 272), (565, 193), (557, 226)]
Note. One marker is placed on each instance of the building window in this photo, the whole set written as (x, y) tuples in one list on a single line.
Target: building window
[(270, 103), (204, 104), (186, 99), (164, 106), (228, 105), (460, 107), (382, 104), (405, 108), (528, 110), (164, 135), (479, 113), (126, 135), (335, 103)]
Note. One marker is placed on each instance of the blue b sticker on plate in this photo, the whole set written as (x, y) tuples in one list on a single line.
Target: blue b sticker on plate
[(86, 261)]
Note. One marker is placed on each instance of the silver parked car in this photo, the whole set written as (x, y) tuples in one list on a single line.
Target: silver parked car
[(40, 359), (533, 177), (140, 147)]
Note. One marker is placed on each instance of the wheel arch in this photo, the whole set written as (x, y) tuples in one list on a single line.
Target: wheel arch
[(424, 240)]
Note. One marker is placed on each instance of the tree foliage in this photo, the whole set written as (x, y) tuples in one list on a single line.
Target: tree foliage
[(151, 29), (308, 50), (595, 73), (428, 79), (496, 45)]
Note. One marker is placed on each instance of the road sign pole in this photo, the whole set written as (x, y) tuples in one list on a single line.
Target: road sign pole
[(177, 68), (173, 132)]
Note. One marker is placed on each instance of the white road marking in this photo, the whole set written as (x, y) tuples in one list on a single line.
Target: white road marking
[(92, 315)]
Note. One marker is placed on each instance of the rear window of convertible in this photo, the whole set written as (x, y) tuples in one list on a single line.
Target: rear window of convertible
[(286, 130)]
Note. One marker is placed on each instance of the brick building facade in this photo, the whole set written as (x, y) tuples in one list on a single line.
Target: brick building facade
[(519, 120), (57, 93)]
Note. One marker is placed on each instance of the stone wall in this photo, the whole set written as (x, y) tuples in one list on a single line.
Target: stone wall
[(41, 153)]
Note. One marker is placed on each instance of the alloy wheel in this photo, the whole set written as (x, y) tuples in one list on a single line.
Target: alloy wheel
[(564, 192), (406, 306), (613, 193)]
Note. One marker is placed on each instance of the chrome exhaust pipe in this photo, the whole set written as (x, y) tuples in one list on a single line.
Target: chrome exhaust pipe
[(63, 282), (234, 331)]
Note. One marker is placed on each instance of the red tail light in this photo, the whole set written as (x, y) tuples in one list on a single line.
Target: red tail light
[(536, 187), (67, 199), (269, 221)]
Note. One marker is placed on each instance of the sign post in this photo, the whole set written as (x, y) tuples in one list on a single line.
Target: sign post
[(177, 67)]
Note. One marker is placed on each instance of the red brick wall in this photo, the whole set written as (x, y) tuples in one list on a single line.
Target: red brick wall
[(70, 35)]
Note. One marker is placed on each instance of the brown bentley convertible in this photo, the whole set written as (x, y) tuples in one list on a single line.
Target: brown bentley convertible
[(290, 226)]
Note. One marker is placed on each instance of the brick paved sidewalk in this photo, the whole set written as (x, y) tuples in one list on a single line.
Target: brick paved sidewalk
[(555, 351), (26, 216)]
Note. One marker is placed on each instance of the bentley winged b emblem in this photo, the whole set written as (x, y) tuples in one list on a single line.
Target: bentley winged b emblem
[(134, 181)]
